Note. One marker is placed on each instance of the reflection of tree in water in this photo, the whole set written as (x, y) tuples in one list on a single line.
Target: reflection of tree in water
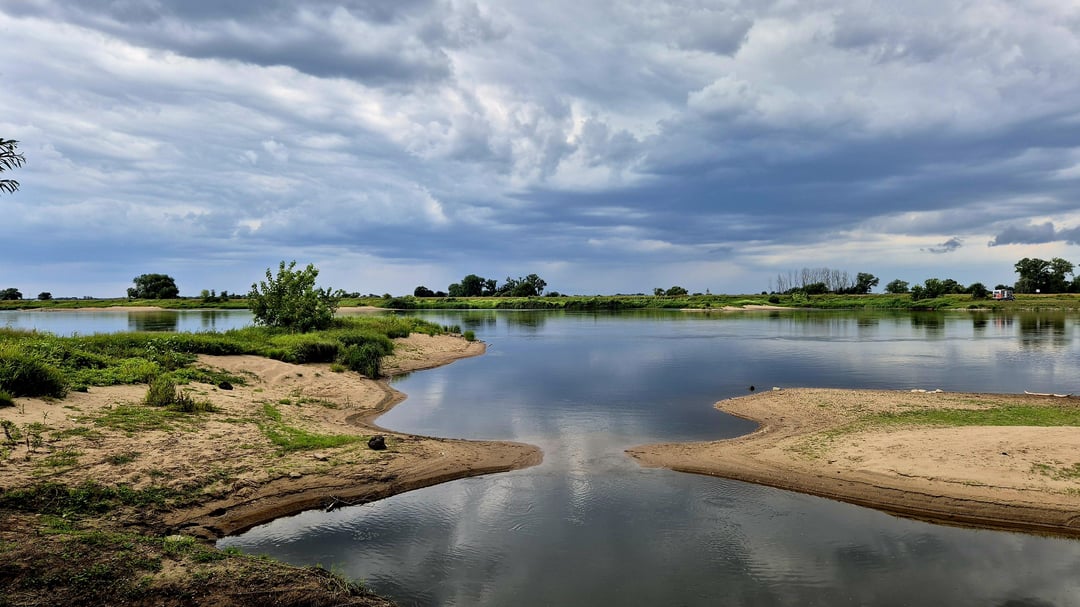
[(152, 321), (980, 321), (531, 320), (932, 322), (477, 320), (1042, 329), (208, 319)]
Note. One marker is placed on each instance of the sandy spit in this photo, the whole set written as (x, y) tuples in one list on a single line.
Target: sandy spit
[(244, 478), (1011, 478)]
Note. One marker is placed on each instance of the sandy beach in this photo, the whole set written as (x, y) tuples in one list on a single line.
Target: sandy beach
[(831, 443)]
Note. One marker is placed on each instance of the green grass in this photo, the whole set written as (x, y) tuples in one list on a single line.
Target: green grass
[(288, 438), (132, 419), (42, 364), (1007, 415)]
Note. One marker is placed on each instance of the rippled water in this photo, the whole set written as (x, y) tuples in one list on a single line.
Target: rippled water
[(590, 527)]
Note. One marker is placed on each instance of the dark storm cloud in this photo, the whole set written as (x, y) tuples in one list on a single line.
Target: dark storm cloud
[(635, 136), (1035, 234), (373, 42)]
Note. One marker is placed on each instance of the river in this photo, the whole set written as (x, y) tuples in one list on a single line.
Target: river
[(590, 527)]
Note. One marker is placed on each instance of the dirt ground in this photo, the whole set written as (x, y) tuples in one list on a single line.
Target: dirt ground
[(1003, 477), (223, 460)]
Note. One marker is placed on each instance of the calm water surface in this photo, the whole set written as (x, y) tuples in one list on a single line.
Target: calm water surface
[(590, 527)]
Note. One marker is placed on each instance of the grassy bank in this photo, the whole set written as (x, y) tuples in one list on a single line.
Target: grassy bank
[(42, 364), (707, 302), (876, 301)]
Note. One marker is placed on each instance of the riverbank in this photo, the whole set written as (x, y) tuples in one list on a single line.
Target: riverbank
[(290, 438), (1009, 462)]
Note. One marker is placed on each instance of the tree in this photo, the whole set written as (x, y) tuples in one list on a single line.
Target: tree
[(44, 296), (1058, 269), (1042, 276), (473, 285), (292, 301), (423, 291), (676, 291), (864, 282), (10, 294), (658, 291), (154, 286), (9, 159), (897, 287), (978, 290)]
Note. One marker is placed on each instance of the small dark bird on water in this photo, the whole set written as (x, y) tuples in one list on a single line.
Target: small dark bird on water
[(751, 388)]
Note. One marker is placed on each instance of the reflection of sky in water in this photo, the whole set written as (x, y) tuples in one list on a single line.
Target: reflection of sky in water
[(589, 526)]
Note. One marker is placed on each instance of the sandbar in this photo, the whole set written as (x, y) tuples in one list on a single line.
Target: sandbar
[(833, 443)]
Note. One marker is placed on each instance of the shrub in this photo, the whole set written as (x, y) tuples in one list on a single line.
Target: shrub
[(292, 301), (470, 336), (363, 358), (162, 392), (6, 399), (24, 374)]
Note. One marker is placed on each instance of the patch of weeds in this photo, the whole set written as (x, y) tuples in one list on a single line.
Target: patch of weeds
[(64, 458), (1058, 472), (136, 418), (164, 393), (337, 367), (33, 434), (88, 498), (6, 399), (271, 412), (289, 438), (12, 433), (156, 473), (120, 459), (207, 375), (178, 545), (83, 431)]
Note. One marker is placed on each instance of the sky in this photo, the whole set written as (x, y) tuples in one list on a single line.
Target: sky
[(608, 146)]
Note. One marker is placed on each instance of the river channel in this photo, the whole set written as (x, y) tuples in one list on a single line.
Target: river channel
[(590, 527)]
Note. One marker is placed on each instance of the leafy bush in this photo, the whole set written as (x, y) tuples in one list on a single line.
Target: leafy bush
[(24, 374), (164, 393), (470, 336), (292, 301), (6, 399)]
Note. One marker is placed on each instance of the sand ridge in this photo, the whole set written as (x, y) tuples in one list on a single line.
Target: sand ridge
[(1003, 477)]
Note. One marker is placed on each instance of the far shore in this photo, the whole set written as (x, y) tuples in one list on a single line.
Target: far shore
[(847, 445)]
